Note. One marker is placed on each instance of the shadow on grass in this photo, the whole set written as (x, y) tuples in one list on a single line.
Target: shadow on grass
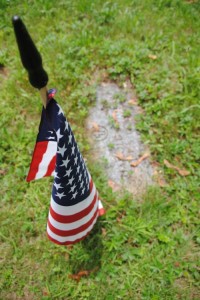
[(91, 249)]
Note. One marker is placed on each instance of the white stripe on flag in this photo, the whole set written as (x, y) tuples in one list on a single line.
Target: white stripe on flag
[(100, 204), (46, 159)]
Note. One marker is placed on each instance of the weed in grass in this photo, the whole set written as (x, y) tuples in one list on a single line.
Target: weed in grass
[(111, 146), (105, 104), (120, 97), (126, 113), (129, 127), (113, 123)]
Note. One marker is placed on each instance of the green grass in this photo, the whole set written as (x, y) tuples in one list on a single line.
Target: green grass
[(149, 248)]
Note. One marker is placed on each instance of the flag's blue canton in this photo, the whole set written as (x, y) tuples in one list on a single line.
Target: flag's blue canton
[(46, 133), (71, 180)]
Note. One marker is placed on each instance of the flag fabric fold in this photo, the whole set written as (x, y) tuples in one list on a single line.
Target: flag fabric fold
[(75, 204)]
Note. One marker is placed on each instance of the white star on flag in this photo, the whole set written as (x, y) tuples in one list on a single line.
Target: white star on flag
[(60, 111), (66, 126), (76, 160), (74, 195), (61, 150), (58, 186), (71, 180), (56, 175), (81, 184), (78, 169), (68, 172), (60, 195), (65, 162), (70, 138), (73, 188), (73, 149), (59, 136)]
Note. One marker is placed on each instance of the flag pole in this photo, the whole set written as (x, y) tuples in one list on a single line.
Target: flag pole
[(31, 59), (44, 96)]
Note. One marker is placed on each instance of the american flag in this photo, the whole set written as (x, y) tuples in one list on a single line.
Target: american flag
[(75, 204)]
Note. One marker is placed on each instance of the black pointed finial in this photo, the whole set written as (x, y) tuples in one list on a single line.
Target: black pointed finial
[(30, 56)]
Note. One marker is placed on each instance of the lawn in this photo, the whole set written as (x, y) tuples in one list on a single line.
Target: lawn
[(145, 248)]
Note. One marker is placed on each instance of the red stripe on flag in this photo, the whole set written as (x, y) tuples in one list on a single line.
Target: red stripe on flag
[(40, 149), (72, 232), (91, 185), (68, 242), (51, 167), (75, 217)]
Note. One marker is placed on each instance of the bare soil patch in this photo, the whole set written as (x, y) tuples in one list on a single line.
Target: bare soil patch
[(115, 141)]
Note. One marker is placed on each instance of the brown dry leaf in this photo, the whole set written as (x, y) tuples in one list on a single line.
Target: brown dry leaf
[(177, 264), (28, 295), (23, 112), (3, 70), (181, 172), (103, 231), (95, 126), (157, 174), (155, 164), (45, 292), (121, 216), (191, 1), (114, 115), (74, 277), (111, 183), (81, 273), (120, 156), (67, 256), (161, 182), (137, 162), (69, 247), (152, 56), (133, 101), (114, 186), (2, 172)]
